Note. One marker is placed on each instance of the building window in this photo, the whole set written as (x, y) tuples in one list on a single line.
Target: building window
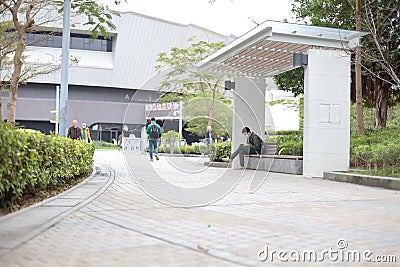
[(77, 41)]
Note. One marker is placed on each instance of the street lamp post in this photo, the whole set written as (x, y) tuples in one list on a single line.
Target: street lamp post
[(180, 119), (64, 68)]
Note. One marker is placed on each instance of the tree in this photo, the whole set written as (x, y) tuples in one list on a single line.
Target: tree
[(291, 81), (183, 81), (26, 15), (382, 21), (196, 108), (358, 74), (7, 46)]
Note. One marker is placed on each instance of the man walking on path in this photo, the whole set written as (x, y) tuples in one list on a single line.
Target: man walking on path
[(154, 132), (74, 132)]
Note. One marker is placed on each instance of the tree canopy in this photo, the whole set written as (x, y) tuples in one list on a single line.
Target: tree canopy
[(183, 82)]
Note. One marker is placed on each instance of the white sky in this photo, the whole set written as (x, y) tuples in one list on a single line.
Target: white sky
[(224, 16)]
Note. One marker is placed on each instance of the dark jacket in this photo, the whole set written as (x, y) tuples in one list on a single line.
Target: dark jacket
[(71, 133), (255, 142)]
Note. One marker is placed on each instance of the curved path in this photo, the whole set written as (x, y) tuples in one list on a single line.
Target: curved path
[(109, 221)]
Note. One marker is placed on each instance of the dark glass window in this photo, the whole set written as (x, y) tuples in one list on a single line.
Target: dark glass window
[(86, 44), (95, 45), (57, 41), (77, 41)]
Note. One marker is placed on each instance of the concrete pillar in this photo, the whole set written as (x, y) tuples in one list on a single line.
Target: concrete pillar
[(326, 112), (248, 109)]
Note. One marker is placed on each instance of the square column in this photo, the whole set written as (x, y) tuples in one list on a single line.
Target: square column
[(326, 112), (248, 109)]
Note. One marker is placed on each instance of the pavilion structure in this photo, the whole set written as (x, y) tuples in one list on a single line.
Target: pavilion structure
[(276, 47)]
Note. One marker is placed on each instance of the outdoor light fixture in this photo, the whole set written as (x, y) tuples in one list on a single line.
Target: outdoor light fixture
[(300, 59), (229, 85)]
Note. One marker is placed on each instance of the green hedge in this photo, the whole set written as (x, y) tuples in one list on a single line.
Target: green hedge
[(167, 136), (194, 150), (290, 142), (104, 145), (376, 149), (30, 161), (220, 151)]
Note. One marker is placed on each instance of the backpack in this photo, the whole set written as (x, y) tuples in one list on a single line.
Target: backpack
[(154, 134), (263, 147)]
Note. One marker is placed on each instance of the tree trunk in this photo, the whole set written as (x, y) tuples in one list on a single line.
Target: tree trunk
[(14, 83), (1, 107), (211, 114), (12, 100), (211, 109), (210, 117), (21, 30), (358, 87), (1, 90), (382, 103)]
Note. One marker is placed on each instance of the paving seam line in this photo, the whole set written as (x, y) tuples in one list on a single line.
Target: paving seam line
[(215, 253), (42, 228)]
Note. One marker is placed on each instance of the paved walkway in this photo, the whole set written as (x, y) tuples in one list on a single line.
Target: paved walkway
[(116, 224)]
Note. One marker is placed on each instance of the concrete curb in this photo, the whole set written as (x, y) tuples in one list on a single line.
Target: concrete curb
[(360, 179), (15, 230), (218, 164), (45, 201), (181, 155)]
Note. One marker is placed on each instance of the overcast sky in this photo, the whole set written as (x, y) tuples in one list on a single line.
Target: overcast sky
[(224, 16)]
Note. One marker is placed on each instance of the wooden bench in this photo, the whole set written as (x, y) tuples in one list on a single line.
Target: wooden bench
[(271, 148)]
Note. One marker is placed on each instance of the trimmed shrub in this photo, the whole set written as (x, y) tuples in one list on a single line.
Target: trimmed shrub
[(290, 142), (376, 149), (166, 137), (186, 150), (220, 151), (31, 161), (104, 145)]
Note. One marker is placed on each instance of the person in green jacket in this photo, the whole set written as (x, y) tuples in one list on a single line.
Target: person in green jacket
[(154, 132), (252, 146)]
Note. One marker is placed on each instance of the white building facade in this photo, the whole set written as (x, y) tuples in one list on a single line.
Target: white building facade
[(106, 75)]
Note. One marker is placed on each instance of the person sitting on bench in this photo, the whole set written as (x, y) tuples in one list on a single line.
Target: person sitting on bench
[(251, 147)]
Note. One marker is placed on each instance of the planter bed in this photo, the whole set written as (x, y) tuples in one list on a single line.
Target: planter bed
[(276, 163), (272, 163), (361, 179)]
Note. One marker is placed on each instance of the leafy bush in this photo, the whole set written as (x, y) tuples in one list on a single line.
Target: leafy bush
[(186, 150), (290, 142), (220, 151), (104, 145), (166, 137), (376, 149), (30, 161)]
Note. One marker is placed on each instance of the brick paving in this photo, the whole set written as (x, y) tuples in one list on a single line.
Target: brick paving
[(125, 227)]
